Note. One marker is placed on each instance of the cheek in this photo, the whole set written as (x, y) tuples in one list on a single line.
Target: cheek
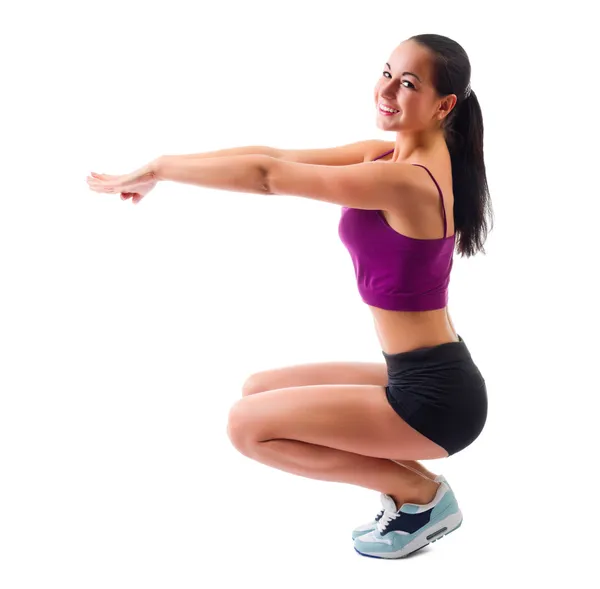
[(412, 103)]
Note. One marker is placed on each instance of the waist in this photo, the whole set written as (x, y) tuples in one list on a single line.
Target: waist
[(402, 331), (446, 354)]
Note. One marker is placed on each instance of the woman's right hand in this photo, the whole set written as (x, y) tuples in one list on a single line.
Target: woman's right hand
[(141, 189)]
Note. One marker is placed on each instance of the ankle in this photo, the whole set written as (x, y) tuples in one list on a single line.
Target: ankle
[(422, 493)]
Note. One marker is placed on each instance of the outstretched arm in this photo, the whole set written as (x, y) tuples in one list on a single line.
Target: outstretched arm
[(238, 173), (232, 151), (371, 186)]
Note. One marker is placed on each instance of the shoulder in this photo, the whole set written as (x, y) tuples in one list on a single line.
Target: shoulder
[(376, 147), (341, 155)]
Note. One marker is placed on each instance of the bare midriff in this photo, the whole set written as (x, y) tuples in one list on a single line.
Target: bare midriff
[(402, 331)]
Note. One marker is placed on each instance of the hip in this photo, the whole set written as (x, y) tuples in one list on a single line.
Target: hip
[(444, 375)]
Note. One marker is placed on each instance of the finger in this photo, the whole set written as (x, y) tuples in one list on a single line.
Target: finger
[(102, 189), (103, 176), (107, 184), (107, 181), (96, 181)]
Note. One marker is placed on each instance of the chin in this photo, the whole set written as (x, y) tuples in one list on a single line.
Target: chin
[(388, 125)]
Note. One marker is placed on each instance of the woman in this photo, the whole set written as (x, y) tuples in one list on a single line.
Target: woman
[(363, 423)]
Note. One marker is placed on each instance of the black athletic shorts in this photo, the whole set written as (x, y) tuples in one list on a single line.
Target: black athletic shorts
[(440, 392)]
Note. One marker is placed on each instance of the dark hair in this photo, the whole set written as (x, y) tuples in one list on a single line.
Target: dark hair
[(463, 129)]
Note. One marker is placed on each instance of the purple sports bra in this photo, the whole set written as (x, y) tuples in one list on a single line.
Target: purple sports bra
[(394, 271)]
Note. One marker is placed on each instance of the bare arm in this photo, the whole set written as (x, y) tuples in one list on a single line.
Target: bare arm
[(340, 155), (331, 174), (237, 173), (363, 185), (233, 151)]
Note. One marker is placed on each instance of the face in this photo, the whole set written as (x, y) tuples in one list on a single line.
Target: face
[(406, 86)]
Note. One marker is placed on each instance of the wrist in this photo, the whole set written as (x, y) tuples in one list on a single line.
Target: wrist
[(156, 167)]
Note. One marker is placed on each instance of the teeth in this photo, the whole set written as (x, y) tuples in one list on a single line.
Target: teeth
[(387, 109)]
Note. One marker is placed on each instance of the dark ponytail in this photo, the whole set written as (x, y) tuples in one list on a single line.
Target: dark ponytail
[(463, 129)]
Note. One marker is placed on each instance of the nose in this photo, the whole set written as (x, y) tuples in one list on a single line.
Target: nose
[(389, 90)]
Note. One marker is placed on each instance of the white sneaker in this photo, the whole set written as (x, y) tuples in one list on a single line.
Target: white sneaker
[(404, 529), (372, 525)]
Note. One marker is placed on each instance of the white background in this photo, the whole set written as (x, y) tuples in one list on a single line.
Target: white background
[(126, 332)]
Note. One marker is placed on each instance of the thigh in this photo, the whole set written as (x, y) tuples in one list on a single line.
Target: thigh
[(325, 373), (354, 418)]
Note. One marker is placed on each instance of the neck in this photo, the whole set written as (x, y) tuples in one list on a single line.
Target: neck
[(410, 145)]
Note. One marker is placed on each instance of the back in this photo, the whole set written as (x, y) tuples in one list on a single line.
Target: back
[(394, 271)]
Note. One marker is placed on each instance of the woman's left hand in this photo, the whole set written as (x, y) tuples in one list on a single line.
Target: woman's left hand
[(135, 183)]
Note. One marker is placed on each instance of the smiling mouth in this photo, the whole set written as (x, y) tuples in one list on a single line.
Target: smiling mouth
[(386, 112)]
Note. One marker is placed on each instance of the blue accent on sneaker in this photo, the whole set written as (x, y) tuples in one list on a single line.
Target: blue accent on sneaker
[(400, 532), (409, 553), (372, 525), (410, 508)]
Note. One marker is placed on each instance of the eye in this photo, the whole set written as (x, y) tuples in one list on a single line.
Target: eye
[(403, 81)]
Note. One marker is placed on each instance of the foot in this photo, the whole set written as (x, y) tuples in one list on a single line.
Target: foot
[(410, 527), (372, 525)]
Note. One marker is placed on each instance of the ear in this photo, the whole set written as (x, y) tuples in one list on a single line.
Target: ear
[(446, 106)]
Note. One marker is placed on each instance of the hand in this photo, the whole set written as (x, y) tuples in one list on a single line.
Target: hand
[(135, 185)]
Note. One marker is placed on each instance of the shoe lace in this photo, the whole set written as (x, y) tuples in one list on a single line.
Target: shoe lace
[(386, 518)]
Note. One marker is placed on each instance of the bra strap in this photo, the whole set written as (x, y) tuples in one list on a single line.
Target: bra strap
[(386, 153), (441, 196)]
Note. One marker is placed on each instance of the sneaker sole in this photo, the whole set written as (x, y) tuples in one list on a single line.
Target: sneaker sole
[(444, 527)]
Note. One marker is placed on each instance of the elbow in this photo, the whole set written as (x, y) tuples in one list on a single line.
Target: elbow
[(264, 186), (267, 175)]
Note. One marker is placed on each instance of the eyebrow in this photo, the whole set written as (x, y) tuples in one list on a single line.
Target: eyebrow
[(406, 73)]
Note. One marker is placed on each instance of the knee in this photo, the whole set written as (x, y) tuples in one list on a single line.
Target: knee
[(238, 427), (253, 384)]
